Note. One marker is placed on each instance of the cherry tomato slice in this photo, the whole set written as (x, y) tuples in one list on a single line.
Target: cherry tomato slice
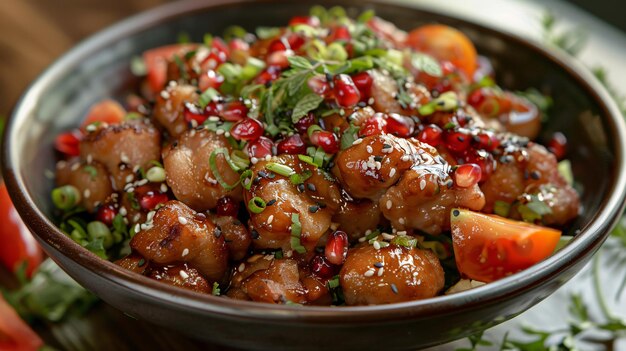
[(156, 63), (489, 247), (17, 244), (15, 334), (445, 44), (108, 111)]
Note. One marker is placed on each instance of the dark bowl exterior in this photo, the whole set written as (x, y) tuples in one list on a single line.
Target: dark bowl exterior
[(99, 68)]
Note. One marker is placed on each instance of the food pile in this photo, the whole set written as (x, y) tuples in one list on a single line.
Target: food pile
[(332, 161)]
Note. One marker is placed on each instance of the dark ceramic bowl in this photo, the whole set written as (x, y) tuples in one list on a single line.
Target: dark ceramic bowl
[(99, 68)]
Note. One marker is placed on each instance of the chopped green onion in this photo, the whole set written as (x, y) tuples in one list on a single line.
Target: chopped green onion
[(98, 230), (183, 38), (256, 205), (445, 102), (312, 129), (216, 289), (240, 159), (65, 197), (372, 235), (366, 16), (277, 168), (565, 169), (132, 116), (78, 231), (296, 232), (93, 172), (300, 178), (501, 208), (437, 248), (267, 32), (307, 159), (278, 254), (156, 175), (215, 170), (334, 282), (318, 157), (246, 179), (233, 32), (138, 66), (404, 240), (207, 96), (336, 52)]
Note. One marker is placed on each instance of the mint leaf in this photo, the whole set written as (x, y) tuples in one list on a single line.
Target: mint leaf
[(299, 62), (427, 64), (308, 103)]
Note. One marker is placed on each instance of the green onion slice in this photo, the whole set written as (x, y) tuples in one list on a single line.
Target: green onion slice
[(246, 179), (256, 205), (216, 172), (296, 232), (277, 168), (65, 197)]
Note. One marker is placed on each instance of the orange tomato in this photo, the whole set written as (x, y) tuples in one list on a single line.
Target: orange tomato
[(156, 63), (445, 44), (489, 247), (109, 111), (17, 244), (15, 334)]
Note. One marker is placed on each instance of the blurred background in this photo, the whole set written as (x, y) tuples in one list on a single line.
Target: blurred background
[(35, 32)]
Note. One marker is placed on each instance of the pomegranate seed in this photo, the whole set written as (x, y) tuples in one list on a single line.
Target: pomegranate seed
[(305, 122), (363, 82), (260, 147), (340, 33), (399, 125), (457, 141), (487, 141), (374, 125), (226, 206), (234, 111), (558, 145), (270, 74), (210, 79), (291, 42), (312, 21), (194, 113), (218, 45), (68, 143), (337, 247), (106, 214), (467, 175), (292, 145), (321, 268), (346, 93), (248, 129), (328, 141), (238, 44), (320, 86), (151, 200), (279, 58), (484, 160), (431, 135)]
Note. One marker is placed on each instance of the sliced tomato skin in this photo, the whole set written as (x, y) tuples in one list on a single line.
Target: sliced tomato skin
[(17, 244), (489, 247), (15, 334), (445, 44), (107, 111)]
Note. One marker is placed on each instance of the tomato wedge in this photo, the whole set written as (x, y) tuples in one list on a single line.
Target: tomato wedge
[(445, 44), (17, 244), (156, 63), (489, 247), (15, 334), (108, 111)]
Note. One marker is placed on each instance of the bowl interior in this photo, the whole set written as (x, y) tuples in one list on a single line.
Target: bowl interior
[(101, 69)]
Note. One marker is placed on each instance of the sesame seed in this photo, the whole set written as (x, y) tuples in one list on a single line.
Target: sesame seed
[(271, 202), (422, 184), (182, 220), (219, 131), (369, 149), (405, 158), (163, 188), (362, 239), (379, 264), (394, 288), (75, 166), (311, 187), (87, 193), (185, 252), (371, 101), (270, 219), (213, 118), (401, 221), (123, 211), (129, 178), (369, 273), (130, 189), (401, 233), (381, 270), (242, 266), (376, 245), (389, 204), (392, 172), (124, 158), (388, 236), (165, 94), (137, 228), (358, 141), (89, 158), (183, 274)]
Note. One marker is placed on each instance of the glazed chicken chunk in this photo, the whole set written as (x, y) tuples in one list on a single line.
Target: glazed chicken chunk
[(177, 234)]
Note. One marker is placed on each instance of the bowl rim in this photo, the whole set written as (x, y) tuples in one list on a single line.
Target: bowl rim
[(590, 237)]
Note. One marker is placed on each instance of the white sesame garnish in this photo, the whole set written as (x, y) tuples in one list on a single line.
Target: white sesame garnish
[(392, 172), (124, 158), (75, 166), (49, 174), (289, 253), (89, 158), (142, 182), (401, 221), (219, 131), (242, 266), (401, 233), (185, 252), (358, 141), (405, 158), (137, 228), (371, 101), (182, 220), (381, 270), (388, 236), (150, 216), (129, 178), (362, 239), (270, 219), (165, 94), (254, 160), (213, 118), (61, 164), (369, 149), (376, 245), (370, 272), (130, 189), (268, 157), (183, 274), (91, 128), (87, 193), (163, 188), (422, 184), (389, 204)]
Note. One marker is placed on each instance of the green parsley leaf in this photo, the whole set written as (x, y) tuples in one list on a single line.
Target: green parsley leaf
[(299, 62), (501, 208), (365, 16), (216, 289), (427, 64), (349, 136), (308, 103)]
